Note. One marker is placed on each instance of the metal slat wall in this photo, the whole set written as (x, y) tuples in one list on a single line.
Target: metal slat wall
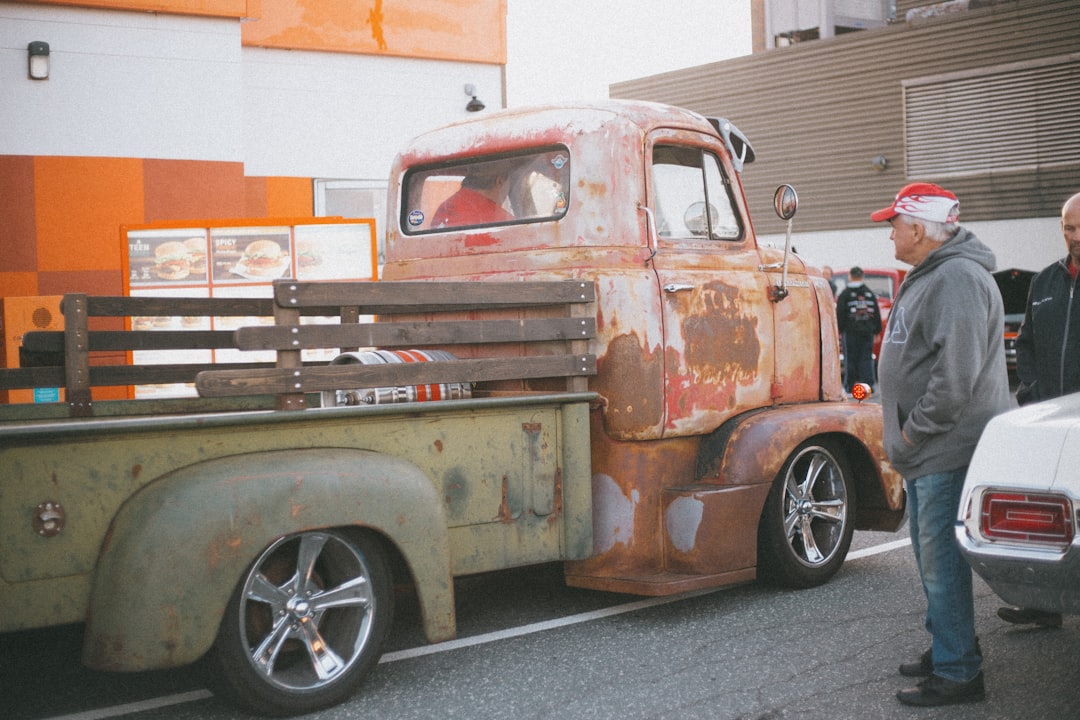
[(1005, 120), (818, 112)]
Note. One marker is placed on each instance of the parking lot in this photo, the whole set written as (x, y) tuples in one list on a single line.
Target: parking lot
[(531, 648)]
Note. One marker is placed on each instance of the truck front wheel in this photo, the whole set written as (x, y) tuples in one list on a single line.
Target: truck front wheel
[(306, 623), (808, 520)]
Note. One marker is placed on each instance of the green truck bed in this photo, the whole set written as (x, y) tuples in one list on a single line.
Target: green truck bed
[(166, 525)]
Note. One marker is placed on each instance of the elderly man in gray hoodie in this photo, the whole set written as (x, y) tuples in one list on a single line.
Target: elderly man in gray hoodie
[(942, 376)]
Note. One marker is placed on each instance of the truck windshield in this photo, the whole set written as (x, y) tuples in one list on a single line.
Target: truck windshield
[(487, 191)]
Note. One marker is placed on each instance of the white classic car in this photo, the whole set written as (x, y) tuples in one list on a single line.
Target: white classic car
[(1018, 511)]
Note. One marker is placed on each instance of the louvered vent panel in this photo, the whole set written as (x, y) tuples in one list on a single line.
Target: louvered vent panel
[(997, 121)]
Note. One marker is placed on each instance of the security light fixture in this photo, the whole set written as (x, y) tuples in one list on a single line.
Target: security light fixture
[(38, 60), (474, 104)]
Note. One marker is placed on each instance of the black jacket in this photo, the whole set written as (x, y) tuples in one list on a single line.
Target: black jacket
[(1048, 345), (857, 311)]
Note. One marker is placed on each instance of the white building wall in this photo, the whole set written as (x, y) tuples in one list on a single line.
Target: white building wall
[(146, 85), (121, 84), (346, 116), (1029, 244)]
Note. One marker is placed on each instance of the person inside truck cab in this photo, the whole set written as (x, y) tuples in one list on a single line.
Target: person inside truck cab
[(479, 201)]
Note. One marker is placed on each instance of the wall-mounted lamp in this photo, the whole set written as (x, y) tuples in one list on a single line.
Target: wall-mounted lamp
[(38, 60), (879, 163), (474, 104)]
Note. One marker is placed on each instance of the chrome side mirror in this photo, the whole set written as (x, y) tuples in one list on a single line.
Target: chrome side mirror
[(785, 202)]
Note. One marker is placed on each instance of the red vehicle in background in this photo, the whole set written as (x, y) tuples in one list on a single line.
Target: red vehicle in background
[(885, 284)]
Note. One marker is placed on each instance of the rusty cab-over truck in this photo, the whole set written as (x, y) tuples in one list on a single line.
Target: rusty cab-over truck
[(721, 449), (632, 386)]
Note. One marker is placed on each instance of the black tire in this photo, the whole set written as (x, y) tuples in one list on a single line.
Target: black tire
[(808, 519), (306, 623)]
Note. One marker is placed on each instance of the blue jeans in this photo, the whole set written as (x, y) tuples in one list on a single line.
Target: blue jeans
[(933, 502)]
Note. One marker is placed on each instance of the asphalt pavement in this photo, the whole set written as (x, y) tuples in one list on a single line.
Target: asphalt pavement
[(532, 648)]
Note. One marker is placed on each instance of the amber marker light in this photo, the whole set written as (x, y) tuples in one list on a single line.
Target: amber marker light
[(861, 391)]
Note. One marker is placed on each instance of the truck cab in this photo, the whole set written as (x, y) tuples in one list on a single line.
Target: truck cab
[(716, 358)]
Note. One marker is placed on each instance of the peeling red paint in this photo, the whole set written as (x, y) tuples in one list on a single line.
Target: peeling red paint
[(482, 240)]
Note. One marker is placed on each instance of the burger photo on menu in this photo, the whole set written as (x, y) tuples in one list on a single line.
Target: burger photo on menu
[(196, 247), (262, 259), (172, 261), (308, 256)]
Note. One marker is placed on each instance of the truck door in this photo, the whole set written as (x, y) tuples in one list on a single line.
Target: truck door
[(718, 320)]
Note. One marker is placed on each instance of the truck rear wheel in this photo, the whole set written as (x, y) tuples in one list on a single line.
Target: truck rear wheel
[(808, 520), (306, 623)]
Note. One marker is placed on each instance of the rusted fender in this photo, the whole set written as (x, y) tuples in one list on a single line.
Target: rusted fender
[(177, 549), (755, 447)]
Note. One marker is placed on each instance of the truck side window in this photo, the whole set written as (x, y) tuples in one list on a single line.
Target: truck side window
[(487, 191), (686, 181)]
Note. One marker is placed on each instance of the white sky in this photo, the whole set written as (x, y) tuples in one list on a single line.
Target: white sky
[(573, 49)]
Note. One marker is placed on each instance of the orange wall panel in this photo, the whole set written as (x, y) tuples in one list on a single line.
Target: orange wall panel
[(255, 197), (91, 282), (279, 197), (18, 283), (18, 249), (289, 197), (460, 30), (210, 8), (80, 204), (192, 189)]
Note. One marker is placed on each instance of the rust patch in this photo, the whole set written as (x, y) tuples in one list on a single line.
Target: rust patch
[(558, 494), (721, 341), (593, 189), (438, 446), (505, 515), (631, 381), (136, 470)]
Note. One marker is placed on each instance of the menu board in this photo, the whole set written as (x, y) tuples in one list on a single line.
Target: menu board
[(239, 259)]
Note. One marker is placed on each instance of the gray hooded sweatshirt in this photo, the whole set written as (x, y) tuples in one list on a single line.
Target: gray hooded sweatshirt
[(942, 368)]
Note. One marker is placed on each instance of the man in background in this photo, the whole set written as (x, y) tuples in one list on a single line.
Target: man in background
[(1048, 350), (858, 319)]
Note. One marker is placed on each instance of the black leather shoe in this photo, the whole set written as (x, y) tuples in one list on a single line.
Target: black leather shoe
[(921, 668), (1028, 616), (934, 691), (925, 664)]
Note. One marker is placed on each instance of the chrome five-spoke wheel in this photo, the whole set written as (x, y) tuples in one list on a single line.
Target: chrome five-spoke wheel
[(307, 622), (808, 520)]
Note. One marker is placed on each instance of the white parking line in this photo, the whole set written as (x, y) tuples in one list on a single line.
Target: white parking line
[(589, 616), (878, 549), (181, 698), (128, 708)]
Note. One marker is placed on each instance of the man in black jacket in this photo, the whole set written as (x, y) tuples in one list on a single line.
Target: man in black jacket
[(858, 319), (1048, 349)]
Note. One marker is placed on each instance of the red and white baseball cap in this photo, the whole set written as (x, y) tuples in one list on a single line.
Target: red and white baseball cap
[(925, 201)]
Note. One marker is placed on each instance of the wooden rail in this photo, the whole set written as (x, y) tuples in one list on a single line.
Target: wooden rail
[(556, 318)]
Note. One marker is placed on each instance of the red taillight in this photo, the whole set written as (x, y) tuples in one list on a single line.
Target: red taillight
[(1027, 517)]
